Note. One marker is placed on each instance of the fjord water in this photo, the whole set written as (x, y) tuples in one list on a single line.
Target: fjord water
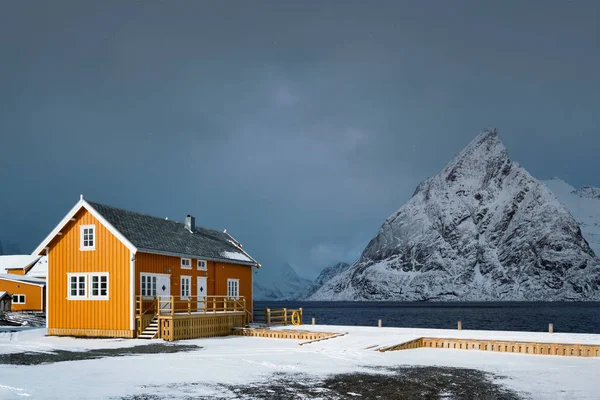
[(576, 317)]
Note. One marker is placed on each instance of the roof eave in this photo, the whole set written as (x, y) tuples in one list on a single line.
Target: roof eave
[(201, 257), (83, 204)]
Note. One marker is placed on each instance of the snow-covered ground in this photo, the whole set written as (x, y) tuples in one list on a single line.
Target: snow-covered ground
[(243, 360)]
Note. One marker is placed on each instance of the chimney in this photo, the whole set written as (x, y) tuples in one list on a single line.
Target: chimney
[(190, 223)]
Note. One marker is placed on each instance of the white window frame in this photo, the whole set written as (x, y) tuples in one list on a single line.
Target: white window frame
[(87, 286), (77, 296), (99, 296), (19, 302), (204, 267), (188, 286), (82, 245), (189, 263), (148, 293), (233, 283)]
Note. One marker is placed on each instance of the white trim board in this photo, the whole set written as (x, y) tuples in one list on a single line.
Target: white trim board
[(83, 204), (22, 281)]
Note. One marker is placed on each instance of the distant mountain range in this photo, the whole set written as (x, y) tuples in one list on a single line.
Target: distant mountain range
[(281, 283), (584, 206), (483, 229)]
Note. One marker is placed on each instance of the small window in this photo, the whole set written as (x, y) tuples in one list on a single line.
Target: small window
[(186, 263), (88, 237), (18, 299), (185, 287), (77, 286), (99, 289), (202, 265), (148, 285), (233, 287)]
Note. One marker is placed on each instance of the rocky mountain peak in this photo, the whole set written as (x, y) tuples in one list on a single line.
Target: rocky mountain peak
[(482, 229), (485, 153), (588, 192)]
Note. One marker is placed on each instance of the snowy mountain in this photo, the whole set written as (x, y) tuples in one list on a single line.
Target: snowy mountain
[(279, 284), (584, 205), (326, 275), (482, 229)]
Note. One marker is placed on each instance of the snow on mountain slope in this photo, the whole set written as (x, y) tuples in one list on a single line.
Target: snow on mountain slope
[(584, 205), (482, 229), (279, 284), (326, 275)]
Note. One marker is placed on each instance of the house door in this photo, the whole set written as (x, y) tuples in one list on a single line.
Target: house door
[(163, 291), (201, 291)]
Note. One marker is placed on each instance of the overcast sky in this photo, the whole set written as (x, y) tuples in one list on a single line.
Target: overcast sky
[(298, 126)]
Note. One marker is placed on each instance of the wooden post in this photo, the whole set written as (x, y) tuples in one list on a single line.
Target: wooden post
[(313, 321), (172, 305), (551, 328), (300, 315), (204, 305), (379, 324), (157, 305), (285, 316), (459, 326), (214, 304), (189, 305), (225, 304), (244, 303), (268, 316)]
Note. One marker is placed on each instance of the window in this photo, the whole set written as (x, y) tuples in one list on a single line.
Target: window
[(88, 237), (77, 286), (18, 299), (148, 285), (233, 287), (99, 288), (185, 287), (186, 263), (88, 286), (202, 265)]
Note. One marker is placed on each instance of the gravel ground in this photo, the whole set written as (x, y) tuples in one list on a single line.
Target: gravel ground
[(62, 355), (403, 383)]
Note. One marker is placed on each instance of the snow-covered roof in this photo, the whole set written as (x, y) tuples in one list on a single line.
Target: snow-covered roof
[(148, 234), (39, 269), (2, 294), (19, 261), (23, 279)]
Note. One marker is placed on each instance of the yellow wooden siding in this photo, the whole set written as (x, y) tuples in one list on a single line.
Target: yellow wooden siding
[(34, 295), (109, 256), (217, 274), (169, 265), (16, 272)]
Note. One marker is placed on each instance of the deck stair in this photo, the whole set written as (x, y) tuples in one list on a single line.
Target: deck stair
[(151, 330)]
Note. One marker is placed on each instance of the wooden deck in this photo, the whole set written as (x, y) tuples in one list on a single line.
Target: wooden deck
[(284, 334), (500, 346), (284, 316), (190, 318)]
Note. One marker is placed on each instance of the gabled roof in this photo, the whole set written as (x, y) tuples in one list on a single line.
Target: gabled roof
[(148, 234), (19, 261), (39, 269), (4, 294), (23, 279), (158, 235)]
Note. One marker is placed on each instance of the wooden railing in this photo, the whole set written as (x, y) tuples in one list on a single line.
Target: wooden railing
[(175, 305), (284, 316)]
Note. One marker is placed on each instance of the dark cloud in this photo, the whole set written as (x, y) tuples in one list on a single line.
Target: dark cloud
[(297, 126)]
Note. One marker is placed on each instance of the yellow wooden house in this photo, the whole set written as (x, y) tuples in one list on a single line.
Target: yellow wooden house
[(119, 273)]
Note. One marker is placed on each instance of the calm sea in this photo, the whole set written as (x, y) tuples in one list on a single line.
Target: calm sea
[(513, 316)]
